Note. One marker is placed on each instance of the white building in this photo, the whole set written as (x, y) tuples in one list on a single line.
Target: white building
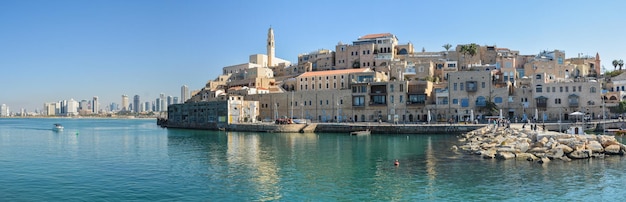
[(184, 93), (4, 110)]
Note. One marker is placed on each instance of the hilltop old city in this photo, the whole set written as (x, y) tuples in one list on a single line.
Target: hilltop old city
[(377, 79)]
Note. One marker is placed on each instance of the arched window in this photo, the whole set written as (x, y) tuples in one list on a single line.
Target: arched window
[(592, 90), (402, 52)]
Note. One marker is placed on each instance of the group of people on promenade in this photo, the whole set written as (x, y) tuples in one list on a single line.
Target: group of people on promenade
[(533, 125)]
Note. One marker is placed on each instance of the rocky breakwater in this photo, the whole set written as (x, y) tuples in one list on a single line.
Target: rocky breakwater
[(540, 146)]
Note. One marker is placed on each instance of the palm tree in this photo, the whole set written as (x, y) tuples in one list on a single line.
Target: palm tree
[(615, 63), (447, 46), (621, 64), (469, 49)]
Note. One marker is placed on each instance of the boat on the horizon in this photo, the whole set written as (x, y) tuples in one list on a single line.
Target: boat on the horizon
[(57, 127)]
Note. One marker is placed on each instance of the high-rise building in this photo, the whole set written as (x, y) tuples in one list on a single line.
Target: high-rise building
[(113, 107), (95, 106), (162, 103), (125, 103), (170, 100), (175, 100), (71, 107), (136, 104), (62, 107), (157, 105), (147, 107), (4, 110), (184, 93)]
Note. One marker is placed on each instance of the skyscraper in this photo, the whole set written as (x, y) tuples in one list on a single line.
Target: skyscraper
[(136, 104), (170, 100), (95, 106), (184, 93), (4, 110), (175, 100), (72, 107), (125, 103), (162, 104), (147, 107)]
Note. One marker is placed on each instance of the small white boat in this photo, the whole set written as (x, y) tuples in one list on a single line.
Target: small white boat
[(57, 127), (362, 132)]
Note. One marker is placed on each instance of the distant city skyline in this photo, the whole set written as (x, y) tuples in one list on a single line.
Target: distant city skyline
[(62, 50)]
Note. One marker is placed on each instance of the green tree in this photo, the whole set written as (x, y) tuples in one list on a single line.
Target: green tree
[(615, 63), (469, 49), (490, 107), (447, 46), (621, 64)]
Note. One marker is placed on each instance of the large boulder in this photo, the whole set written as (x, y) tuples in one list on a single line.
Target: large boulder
[(566, 149), (522, 146), (580, 154), (488, 154), (567, 141), (526, 156), (595, 147), (544, 160), (613, 149), (505, 155), (555, 153), (536, 150)]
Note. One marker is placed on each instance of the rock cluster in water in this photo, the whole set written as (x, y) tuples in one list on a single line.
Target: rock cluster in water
[(503, 143)]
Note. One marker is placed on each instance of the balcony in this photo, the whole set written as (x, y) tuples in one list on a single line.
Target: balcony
[(383, 56)]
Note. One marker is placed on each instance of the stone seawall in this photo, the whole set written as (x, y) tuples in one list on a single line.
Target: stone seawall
[(375, 128)]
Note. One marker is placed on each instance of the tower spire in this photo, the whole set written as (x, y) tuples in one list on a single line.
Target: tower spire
[(270, 47)]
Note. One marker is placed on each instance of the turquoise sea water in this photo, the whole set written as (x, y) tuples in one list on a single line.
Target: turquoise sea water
[(134, 160)]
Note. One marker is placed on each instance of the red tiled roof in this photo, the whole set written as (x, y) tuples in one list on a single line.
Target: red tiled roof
[(373, 36), (333, 72)]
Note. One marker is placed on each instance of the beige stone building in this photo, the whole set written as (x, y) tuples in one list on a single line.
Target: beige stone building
[(556, 99)]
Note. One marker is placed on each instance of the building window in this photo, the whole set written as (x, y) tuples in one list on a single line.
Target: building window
[(539, 89), (566, 89), (455, 101), (561, 89), (557, 101), (573, 88), (454, 86), (379, 99), (391, 99), (483, 84), (548, 89), (390, 87), (497, 100), (401, 100), (417, 99), (461, 87), (592, 90), (358, 101)]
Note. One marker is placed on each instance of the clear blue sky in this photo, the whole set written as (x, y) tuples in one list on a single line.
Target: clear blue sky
[(57, 50)]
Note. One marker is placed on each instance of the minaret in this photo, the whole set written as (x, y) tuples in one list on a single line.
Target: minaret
[(270, 47), (597, 65)]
